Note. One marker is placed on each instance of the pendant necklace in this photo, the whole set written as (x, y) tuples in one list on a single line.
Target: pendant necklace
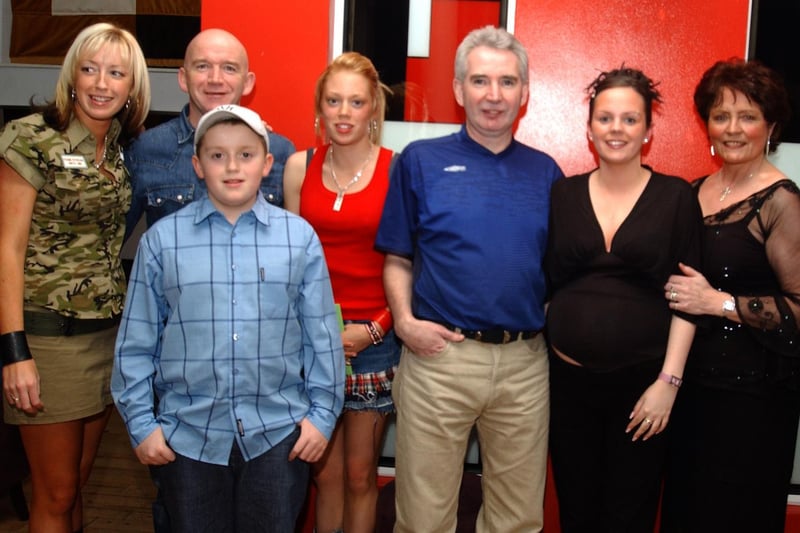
[(728, 188), (337, 204), (725, 192)]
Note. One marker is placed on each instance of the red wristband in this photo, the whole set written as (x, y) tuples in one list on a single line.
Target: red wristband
[(384, 320)]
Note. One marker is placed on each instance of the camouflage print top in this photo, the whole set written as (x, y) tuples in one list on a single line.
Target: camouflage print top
[(73, 259)]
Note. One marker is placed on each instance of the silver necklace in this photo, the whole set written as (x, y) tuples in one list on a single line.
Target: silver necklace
[(728, 188), (98, 164), (337, 204), (726, 191)]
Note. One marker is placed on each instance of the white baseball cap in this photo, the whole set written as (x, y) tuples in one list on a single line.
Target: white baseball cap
[(225, 112)]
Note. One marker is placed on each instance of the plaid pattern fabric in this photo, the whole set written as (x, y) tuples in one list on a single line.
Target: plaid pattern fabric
[(371, 390)]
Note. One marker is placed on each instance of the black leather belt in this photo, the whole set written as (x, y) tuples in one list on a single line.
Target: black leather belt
[(494, 336), (51, 324)]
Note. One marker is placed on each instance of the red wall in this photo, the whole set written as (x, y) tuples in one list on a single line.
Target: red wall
[(674, 41), (569, 41), (287, 43)]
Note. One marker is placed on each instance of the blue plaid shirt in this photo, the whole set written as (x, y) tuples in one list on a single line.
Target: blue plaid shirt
[(233, 329)]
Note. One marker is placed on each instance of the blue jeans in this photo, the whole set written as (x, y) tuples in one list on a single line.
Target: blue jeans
[(261, 495)]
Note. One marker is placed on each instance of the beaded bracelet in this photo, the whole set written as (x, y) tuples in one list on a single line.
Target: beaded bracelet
[(14, 347), (373, 333)]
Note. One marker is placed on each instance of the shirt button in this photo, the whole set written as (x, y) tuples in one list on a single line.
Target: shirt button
[(236, 336), (233, 302), (180, 197), (233, 267), (271, 197)]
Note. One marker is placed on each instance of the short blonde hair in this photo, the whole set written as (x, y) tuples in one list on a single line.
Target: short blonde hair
[(88, 42)]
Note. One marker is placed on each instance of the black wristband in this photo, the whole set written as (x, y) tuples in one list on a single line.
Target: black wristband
[(14, 347)]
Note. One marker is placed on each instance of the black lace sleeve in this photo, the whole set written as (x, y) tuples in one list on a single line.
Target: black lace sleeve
[(775, 318)]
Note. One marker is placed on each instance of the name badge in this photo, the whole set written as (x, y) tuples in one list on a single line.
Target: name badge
[(73, 161)]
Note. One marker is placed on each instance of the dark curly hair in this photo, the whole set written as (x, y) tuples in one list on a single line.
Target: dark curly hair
[(626, 77), (759, 83)]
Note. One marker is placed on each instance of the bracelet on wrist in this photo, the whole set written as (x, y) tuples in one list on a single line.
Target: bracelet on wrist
[(373, 333), (729, 306), (14, 347), (675, 381)]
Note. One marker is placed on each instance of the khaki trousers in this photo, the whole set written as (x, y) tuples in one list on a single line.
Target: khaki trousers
[(502, 390)]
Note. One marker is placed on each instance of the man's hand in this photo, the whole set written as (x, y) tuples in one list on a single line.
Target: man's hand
[(425, 338)]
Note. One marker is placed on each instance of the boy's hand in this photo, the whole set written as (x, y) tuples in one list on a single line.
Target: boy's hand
[(311, 444), (154, 450)]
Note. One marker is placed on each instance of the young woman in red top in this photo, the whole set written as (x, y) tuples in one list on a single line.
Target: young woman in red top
[(340, 188)]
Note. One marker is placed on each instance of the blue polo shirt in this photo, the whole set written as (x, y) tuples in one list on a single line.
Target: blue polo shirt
[(474, 223)]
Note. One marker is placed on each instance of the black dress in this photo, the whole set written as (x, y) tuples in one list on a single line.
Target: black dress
[(735, 420), (607, 308), (608, 312)]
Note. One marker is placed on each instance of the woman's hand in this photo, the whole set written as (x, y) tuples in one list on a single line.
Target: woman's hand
[(21, 386), (691, 293), (355, 338), (650, 415)]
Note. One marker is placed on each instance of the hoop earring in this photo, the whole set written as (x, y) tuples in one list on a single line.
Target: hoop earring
[(713, 153)]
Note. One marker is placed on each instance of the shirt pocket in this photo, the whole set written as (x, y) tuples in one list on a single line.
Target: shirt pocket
[(166, 199)]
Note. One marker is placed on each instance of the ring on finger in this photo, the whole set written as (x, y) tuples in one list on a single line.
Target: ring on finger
[(648, 421), (673, 295)]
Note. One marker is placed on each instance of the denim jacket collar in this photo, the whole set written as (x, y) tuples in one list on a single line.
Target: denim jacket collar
[(185, 129)]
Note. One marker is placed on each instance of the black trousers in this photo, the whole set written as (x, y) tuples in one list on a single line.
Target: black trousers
[(604, 481), (730, 461)]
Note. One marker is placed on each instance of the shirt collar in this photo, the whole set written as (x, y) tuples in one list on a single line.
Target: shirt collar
[(261, 209), (464, 137), (185, 128), (77, 132)]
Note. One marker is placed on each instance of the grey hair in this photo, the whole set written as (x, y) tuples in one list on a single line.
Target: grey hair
[(491, 37)]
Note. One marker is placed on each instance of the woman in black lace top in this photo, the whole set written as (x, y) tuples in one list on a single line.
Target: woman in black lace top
[(735, 424)]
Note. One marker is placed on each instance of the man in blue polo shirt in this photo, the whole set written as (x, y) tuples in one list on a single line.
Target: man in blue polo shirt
[(464, 229)]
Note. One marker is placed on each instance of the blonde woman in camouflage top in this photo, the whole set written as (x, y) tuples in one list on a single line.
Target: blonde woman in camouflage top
[(64, 192)]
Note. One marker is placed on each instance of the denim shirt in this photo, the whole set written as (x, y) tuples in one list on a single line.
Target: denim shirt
[(162, 176)]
